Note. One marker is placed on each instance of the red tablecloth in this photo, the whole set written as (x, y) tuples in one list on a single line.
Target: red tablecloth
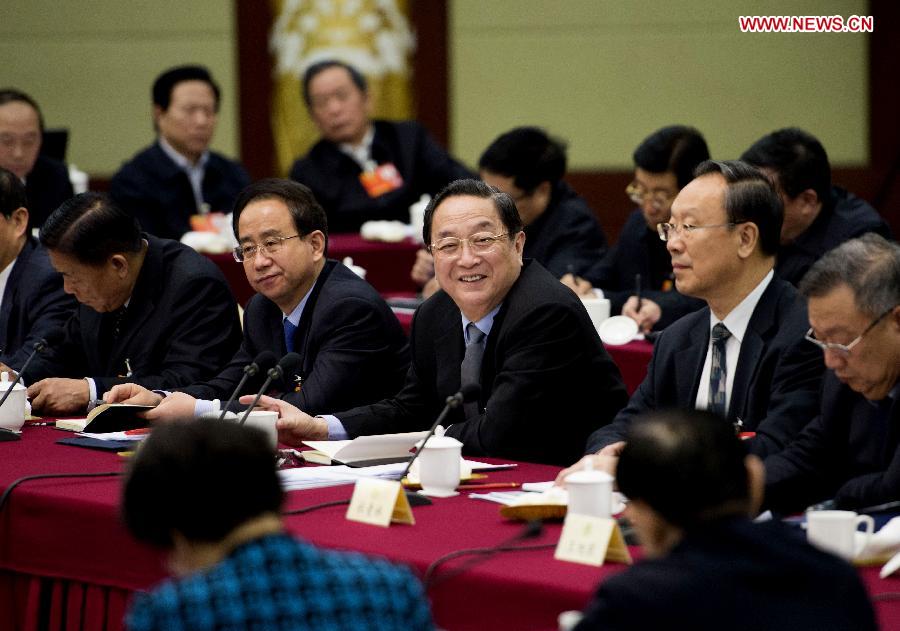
[(387, 265), (65, 556)]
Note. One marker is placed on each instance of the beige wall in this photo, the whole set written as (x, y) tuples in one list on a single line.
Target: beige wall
[(604, 73), (90, 65)]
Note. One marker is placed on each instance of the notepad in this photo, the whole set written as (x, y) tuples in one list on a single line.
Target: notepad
[(363, 450)]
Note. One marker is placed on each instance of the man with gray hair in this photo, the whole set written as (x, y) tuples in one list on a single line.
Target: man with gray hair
[(851, 451)]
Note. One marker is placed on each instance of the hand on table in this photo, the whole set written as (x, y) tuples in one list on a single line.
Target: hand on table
[(577, 284), (647, 317), (294, 426), (58, 396), (133, 394), (605, 460), (12, 373)]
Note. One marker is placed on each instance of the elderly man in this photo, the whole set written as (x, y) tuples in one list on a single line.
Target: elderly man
[(743, 356), (354, 350), (508, 326), (851, 451), (363, 169), (178, 176), (32, 301), (209, 495), (152, 311), (817, 216), (706, 565), (46, 180), (664, 163)]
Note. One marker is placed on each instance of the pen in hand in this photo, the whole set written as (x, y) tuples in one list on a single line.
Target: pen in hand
[(637, 291)]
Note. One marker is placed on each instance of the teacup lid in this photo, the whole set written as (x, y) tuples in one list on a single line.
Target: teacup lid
[(5, 383), (442, 442), (588, 477), (617, 330)]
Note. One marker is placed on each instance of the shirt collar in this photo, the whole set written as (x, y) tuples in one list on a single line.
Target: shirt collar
[(362, 152), (295, 315), (180, 160), (484, 325), (737, 321)]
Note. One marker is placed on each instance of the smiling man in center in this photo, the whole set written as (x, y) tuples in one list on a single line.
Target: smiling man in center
[(509, 325)]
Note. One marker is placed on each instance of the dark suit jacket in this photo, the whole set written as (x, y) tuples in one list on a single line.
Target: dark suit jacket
[(843, 217), (776, 386), (34, 304), (639, 250), (181, 326), (546, 380), (46, 187), (734, 575), (158, 192), (847, 453), (354, 350), (567, 237), (333, 176)]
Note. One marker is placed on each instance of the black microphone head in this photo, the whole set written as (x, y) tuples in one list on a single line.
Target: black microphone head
[(533, 529), (263, 362), (470, 391), (288, 365), (52, 338)]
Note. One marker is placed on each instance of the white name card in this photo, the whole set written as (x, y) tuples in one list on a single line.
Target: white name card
[(379, 502), (591, 540)]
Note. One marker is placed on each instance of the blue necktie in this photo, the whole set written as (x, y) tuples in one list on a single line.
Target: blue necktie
[(289, 330), (470, 370), (718, 370)]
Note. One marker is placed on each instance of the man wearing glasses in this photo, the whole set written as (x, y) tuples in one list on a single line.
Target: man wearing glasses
[(850, 451), (743, 357), (353, 348), (507, 325), (663, 164)]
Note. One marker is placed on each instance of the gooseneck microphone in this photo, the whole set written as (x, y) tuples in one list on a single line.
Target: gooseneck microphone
[(468, 392), (39, 347), (288, 364), (265, 361)]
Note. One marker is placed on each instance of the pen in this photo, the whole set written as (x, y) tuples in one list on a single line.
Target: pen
[(494, 485), (637, 291)]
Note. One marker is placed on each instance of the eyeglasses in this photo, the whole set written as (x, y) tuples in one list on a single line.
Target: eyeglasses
[(666, 230), (270, 246), (658, 199), (844, 349), (480, 243)]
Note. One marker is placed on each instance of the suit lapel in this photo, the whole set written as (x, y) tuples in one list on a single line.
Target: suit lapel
[(691, 358), (141, 307), (752, 346), (9, 294)]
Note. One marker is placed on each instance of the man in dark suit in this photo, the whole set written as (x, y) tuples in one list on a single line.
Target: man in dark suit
[(178, 176), (354, 350), (664, 163), (47, 183), (32, 301), (152, 311), (208, 495), (562, 232), (545, 380), (817, 216), (743, 356), (363, 169), (851, 451), (691, 489)]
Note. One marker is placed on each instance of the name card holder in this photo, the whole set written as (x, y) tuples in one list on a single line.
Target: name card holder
[(379, 502), (591, 540)]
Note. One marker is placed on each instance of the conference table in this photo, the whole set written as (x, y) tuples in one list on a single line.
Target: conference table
[(387, 264), (66, 561)]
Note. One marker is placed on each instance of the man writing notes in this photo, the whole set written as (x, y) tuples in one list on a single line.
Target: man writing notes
[(743, 356), (152, 311), (691, 489), (365, 169), (178, 176), (354, 350), (546, 382), (851, 451)]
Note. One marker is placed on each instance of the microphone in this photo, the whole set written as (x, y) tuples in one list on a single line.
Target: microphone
[(468, 392), (288, 364), (40, 346), (263, 362)]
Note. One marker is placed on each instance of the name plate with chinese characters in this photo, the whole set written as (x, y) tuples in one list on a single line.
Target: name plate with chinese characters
[(379, 502), (591, 540)]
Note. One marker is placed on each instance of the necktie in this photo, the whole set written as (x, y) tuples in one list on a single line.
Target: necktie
[(289, 330), (470, 370), (718, 370)]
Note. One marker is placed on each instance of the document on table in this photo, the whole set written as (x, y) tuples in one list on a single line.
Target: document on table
[(318, 477)]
